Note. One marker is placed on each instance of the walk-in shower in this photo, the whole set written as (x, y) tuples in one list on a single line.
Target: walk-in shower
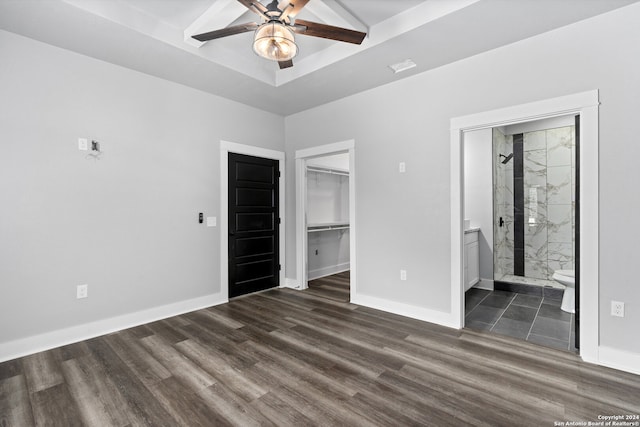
[(534, 203)]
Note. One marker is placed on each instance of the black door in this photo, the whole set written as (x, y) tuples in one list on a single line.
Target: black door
[(254, 221)]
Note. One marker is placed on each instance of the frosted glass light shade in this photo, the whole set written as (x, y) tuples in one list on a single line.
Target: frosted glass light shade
[(275, 41)]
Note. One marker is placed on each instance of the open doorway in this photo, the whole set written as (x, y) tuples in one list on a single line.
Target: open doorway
[(521, 201), (325, 191), (328, 266), (585, 105)]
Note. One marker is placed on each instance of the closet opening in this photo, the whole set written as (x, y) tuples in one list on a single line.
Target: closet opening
[(328, 267), (325, 221)]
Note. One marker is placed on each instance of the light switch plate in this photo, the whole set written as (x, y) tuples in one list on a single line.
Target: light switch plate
[(211, 221), (83, 144), (402, 167)]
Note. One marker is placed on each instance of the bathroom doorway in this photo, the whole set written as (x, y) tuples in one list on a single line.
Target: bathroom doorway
[(585, 105), (526, 228)]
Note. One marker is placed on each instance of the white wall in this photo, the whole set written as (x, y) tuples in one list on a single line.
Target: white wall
[(404, 219), (478, 195), (126, 224), (327, 198), (332, 256)]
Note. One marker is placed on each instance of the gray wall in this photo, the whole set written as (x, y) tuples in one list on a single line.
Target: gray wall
[(404, 219), (125, 224)]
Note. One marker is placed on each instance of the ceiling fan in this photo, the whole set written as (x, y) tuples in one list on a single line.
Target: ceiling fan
[(273, 37)]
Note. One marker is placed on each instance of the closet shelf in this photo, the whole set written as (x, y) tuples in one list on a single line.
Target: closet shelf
[(327, 170), (312, 228)]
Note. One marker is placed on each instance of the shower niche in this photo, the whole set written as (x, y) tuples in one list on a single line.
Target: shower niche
[(534, 172)]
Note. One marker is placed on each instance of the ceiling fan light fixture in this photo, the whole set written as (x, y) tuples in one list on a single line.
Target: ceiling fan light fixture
[(275, 41)]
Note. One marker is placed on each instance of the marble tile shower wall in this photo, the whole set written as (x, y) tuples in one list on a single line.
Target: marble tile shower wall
[(560, 198), (549, 183)]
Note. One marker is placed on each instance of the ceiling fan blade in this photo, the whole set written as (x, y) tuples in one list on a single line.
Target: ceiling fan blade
[(224, 32), (254, 6), (285, 64), (315, 29), (290, 8)]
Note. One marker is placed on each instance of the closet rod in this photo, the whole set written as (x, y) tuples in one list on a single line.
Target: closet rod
[(313, 229)]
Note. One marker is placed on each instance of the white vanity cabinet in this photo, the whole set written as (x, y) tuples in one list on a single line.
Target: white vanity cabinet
[(471, 258)]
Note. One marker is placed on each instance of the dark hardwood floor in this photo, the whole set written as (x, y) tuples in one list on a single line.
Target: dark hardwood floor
[(334, 287), (299, 358)]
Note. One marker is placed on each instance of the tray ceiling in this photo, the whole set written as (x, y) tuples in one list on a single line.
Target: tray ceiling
[(154, 37)]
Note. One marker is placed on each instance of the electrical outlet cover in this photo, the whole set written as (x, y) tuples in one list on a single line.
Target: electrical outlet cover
[(82, 291), (617, 308)]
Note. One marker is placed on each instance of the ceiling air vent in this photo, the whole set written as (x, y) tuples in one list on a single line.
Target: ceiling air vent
[(402, 66)]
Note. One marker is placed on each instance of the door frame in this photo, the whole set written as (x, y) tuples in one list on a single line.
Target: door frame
[(586, 105), (227, 147), (301, 208)]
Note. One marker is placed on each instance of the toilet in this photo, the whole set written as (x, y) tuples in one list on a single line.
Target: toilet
[(568, 279)]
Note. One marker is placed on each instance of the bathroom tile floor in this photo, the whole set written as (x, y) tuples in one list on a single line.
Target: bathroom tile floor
[(532, 318)]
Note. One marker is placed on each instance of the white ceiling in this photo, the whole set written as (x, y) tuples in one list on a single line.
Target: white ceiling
[(153, 36)]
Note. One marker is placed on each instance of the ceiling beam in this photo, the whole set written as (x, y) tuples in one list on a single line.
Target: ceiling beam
[(219, 15), (331, 12)]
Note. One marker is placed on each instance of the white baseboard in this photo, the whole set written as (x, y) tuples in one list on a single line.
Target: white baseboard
[(49, 340), (619, 359), (486, 284), (607, 356), (328, 271), (290, 283), (420, 313)]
